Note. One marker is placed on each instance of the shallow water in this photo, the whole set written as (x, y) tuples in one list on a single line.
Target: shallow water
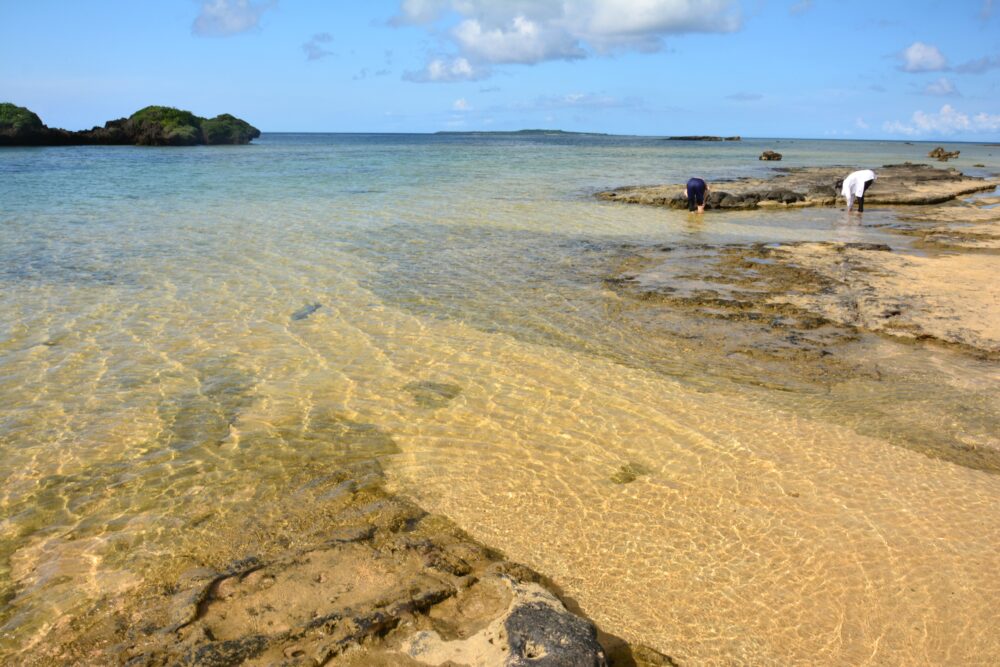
[(162, 369)]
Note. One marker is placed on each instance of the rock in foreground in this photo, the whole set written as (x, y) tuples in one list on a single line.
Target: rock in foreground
[(386, 584), (151, 126)]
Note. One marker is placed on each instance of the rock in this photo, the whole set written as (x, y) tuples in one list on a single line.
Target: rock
[(943, 155), (394, 585), (769, 155), (898, 184), (151, 126), (536, 630), (628, 473)]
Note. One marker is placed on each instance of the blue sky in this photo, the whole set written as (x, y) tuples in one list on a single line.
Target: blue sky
[(793, 68)]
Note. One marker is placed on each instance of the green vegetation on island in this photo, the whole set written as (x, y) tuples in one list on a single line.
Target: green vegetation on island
[(150, 126)]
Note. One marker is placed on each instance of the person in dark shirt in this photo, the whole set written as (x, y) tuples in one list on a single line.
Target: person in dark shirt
[(695, 191)]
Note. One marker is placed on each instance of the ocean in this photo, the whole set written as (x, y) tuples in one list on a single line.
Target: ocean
[(192, 336)]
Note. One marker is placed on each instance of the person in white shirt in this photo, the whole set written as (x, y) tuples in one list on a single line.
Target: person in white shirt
[(855, 185)]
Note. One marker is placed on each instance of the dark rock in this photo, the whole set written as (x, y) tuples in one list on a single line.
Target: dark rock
[(769, 155), (541, 636), (783, 196), (225, 653)]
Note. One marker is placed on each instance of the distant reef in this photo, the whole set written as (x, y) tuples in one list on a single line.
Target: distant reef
[(152, 126), (702, 137)]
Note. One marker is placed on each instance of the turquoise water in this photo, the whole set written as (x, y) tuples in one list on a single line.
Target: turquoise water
[(152, 375)]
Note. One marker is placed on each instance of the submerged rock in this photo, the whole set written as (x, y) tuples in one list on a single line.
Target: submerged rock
[(433, 394), (406, 587), (629, 472)]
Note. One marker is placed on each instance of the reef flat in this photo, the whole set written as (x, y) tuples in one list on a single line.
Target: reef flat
[(905, 184)]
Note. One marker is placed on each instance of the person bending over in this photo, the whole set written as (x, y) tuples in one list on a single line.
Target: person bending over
[(855, 185), (695, 191)]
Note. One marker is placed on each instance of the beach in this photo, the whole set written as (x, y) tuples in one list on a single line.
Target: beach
[(365, 399)]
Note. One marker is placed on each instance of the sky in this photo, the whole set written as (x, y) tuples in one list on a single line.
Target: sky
[(913, 69)]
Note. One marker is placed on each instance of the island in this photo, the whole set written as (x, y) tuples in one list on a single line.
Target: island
[(150, 126), (702, 137)]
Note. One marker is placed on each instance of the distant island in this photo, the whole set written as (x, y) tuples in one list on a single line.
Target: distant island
[(151, 126), (703, 138), (524, 132)]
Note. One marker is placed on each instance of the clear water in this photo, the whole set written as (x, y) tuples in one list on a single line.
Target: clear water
[(154, 386)]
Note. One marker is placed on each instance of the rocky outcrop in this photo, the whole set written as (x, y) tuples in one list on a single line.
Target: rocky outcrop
[(942, 155), (769, 155), (151, 126), (897, 185), (389, 585)]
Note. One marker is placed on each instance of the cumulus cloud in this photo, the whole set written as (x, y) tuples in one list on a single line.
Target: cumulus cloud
[(448, 69), (942, 87), (920, 57), (461, 104), (860, 123), (486, 32), (946, 121), (222, 18), (314, 47)]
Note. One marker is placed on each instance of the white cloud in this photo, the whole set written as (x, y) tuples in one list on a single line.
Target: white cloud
[(461, 104), (920, 57), (943, 87), (221, 18), (488, 32), (448, 69), (860, 123), (946, 121), (314, 49), (522, 41)]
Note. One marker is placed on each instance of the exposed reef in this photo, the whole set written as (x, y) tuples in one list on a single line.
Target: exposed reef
[(151, 126), (372, 580), (805, 317), (897, 185)]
